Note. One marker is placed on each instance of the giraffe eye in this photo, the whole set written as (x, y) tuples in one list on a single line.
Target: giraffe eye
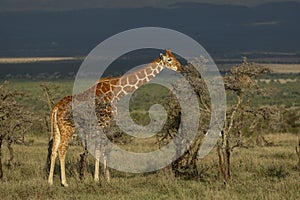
[(169, 59)]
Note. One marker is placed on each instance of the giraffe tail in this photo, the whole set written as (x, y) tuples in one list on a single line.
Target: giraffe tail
[(52, 122), (51, 134)]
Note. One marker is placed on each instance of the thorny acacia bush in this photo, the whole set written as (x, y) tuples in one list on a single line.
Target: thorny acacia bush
[(242, 118), (15, 121)]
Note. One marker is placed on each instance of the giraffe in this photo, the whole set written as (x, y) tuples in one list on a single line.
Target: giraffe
[(110, 90)]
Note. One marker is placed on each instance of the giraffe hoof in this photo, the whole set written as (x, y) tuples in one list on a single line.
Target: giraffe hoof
[(64, 184), (108, 180), (50, 183)]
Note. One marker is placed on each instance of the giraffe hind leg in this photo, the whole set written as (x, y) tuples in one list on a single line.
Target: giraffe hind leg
[(55, 137), (65, 136), (62, 159), (56, 141)]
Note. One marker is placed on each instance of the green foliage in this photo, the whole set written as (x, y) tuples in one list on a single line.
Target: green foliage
[(276, 94), (147, 95), (282, 90), (291, 121)]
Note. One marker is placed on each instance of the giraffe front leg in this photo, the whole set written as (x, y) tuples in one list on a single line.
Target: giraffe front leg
[(96, 174), (105, 168), (97, 164)]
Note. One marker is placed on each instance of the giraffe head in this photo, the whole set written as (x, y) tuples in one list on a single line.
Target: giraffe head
[(169, 61)]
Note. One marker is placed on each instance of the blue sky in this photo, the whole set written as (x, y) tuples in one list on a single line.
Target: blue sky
[(21, 5)]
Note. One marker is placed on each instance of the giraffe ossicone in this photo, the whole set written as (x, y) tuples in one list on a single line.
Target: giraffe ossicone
[(107, 92)]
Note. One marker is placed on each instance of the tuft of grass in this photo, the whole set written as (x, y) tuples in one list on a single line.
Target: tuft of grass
[(273, 171)]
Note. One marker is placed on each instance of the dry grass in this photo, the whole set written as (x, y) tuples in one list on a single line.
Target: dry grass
[(284, 68), (35, 59), (257, 173)]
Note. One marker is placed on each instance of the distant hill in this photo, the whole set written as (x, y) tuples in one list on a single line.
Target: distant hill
[(221, 29)]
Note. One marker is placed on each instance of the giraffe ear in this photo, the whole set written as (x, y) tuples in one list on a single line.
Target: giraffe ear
[(168, 52), (161, 56)]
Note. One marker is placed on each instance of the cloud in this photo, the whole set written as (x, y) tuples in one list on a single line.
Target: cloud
[(21, 5), (266, 23)]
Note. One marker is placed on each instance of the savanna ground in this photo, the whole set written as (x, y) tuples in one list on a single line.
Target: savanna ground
[(259, 172)]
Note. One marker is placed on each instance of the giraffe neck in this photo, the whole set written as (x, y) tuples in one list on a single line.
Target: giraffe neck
[(130, 82)]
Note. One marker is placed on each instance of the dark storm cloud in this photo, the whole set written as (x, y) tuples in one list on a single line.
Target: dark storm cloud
[(20, 5)]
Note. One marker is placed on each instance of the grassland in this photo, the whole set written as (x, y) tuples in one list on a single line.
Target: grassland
[(35, 59), (257, 173), (284, 68)]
